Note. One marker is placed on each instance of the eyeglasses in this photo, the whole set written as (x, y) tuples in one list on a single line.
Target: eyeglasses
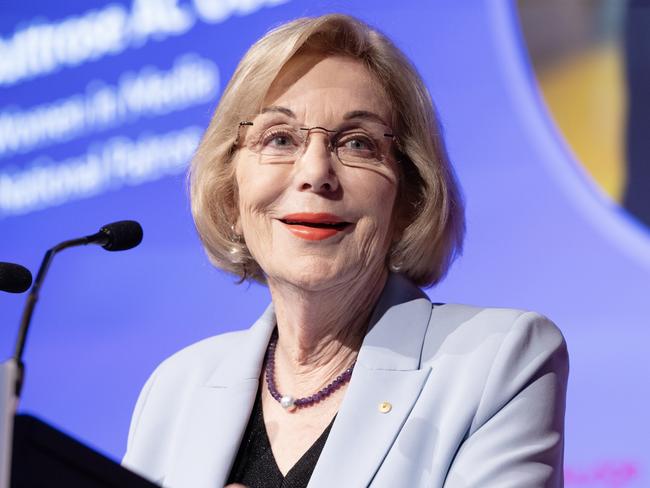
[(356, 143)]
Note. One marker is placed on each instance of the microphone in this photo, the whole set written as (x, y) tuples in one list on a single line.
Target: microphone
[(118, 236), (14, 278)]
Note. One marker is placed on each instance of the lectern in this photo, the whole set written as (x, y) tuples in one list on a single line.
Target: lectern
[(45, 457)]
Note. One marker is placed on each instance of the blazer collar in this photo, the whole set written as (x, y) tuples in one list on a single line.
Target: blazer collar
[(387, 370), (244, 361), (397, 327), (394, 340)]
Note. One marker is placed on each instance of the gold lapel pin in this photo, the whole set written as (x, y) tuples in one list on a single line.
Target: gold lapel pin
[(385, 407)]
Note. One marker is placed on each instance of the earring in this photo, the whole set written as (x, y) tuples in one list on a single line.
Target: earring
[(394, 261), (238, 250), (234, 236)]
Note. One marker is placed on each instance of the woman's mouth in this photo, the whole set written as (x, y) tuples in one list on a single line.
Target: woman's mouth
[(314, 226)]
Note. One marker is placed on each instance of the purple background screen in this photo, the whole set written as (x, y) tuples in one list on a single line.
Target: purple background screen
[(101, 106)]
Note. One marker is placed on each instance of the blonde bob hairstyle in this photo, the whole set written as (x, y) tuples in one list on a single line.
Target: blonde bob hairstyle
[(428, 202)]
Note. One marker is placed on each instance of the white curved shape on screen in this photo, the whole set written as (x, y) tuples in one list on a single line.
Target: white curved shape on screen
[(612, 221)]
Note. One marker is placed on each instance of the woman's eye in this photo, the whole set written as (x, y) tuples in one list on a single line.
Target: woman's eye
[(357, 144), (279, 140)]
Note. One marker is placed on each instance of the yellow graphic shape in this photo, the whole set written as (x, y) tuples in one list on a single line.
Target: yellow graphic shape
[(586, 95)]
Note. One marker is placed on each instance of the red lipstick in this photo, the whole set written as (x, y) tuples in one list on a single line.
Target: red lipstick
[(314, 226)]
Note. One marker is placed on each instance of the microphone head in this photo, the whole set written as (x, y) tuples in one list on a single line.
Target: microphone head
[(14, 278), (121, 235)]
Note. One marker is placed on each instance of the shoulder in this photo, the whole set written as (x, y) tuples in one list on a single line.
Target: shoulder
[(183, 372), (490, 355), (455, 327), (499, 377), (473, 332), (162, 399), (197, 361), (493, 352), (188, 368), (489, 338), (465, 329)]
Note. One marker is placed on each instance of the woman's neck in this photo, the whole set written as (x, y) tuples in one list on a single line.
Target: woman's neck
[(320, 332)]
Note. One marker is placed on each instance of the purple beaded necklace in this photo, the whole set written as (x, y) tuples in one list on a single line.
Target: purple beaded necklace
[(288, 402)]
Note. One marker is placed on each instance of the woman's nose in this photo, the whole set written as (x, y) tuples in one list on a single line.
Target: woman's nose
[(315, 168)]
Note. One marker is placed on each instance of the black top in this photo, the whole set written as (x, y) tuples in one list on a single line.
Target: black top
[(255, 465)]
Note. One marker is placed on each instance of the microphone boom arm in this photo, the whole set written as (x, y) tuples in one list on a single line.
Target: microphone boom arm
[(118, 236), (32, 298)]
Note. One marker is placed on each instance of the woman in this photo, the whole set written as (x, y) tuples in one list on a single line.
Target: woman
[(323, 175)]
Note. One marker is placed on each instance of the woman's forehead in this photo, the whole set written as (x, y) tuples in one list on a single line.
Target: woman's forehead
[(316, 86)]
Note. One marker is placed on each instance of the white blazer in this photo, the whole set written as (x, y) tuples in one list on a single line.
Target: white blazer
[(477, 398)]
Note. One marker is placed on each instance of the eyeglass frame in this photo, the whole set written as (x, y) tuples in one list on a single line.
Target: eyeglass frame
[(248, 123)]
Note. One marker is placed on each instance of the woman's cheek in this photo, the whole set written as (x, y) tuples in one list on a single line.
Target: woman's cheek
[(256, 226), (371, 241)]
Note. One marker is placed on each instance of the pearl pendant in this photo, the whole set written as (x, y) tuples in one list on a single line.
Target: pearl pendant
[(287, 402)]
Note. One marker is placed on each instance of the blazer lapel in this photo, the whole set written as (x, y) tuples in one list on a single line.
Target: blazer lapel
[(384, 387), (387, 370), (218, 412)]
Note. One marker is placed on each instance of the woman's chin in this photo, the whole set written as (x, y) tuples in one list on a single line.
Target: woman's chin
[(310, 275)]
